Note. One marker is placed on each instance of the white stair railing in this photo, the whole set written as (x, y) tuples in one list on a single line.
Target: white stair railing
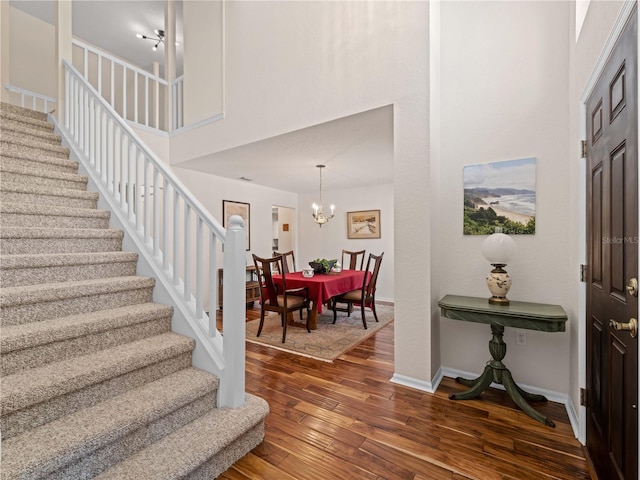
[(28, 99), (172, 230), (137, 95)]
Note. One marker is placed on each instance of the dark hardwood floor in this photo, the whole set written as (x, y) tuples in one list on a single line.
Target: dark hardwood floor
[(346, 420)]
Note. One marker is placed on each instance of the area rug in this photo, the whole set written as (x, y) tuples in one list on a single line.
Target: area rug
[(326, 343)]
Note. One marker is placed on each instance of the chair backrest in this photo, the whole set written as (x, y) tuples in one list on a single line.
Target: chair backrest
[(371, 275), (266, 268), (353, 259), (288, 267)]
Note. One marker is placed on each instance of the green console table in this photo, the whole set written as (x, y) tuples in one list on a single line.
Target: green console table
[(531, 316)]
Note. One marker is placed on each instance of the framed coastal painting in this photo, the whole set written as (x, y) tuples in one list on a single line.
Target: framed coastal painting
[(363, 224), (229, 208), (500, 194)]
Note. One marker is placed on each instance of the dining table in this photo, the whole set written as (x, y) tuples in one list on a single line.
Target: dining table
[(322, 286)]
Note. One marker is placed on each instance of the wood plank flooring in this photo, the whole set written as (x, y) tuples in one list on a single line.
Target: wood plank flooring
[(345, 420)]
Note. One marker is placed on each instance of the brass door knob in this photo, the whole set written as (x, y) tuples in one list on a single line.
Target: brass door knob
[(632, 287), (631, 327)]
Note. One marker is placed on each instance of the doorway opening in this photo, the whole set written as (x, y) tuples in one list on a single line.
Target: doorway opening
[(284, 228)]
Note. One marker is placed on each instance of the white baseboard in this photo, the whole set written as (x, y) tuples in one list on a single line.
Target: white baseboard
[(412, 383)]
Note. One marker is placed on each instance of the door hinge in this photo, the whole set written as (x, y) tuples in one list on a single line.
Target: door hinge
[(583, 149), (583, 272), (584, 397)]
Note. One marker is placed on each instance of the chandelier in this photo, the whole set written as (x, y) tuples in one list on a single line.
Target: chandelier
[(318, 214), (158, 39)]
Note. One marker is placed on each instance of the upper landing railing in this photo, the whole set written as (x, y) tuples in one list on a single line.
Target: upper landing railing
[(135, 94), (28, 99)]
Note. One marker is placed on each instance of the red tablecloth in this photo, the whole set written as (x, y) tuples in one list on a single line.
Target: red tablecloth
[(324, 286)]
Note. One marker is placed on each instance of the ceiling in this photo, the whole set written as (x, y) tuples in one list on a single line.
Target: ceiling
[(113, 25), (356, 149)]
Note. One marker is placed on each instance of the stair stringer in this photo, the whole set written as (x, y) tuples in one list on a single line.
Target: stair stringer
[(208, 353)]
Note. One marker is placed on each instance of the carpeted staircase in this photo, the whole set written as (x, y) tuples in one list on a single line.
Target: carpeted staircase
[(93, 381)]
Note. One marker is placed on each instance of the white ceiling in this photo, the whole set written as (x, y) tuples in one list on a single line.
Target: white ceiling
[(113, 25), (357, 149)]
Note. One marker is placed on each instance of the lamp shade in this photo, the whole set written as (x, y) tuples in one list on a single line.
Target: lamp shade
[(498, 248)]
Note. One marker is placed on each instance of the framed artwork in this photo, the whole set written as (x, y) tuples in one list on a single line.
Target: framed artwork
[(500, 194), (363, 224), (229, 208)]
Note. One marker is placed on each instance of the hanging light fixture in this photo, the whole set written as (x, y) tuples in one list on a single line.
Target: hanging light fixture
[(158, 39), (318, 214)]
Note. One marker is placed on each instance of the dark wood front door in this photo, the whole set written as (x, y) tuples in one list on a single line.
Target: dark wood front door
[(612, 246)]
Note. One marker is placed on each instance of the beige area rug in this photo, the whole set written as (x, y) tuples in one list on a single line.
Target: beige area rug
[(326, 343)]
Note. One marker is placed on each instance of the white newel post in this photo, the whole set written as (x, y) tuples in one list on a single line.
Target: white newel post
[(169, 60), (63, 28), (232, 388)]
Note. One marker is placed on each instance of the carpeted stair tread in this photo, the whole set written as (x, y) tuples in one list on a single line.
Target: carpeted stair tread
[(35, 134), (18, 140), (29, 269), (197, 442), (29, 335), (36, 209), (61, 244), (63, 259), (35, 344), (36, 232), (13, 155), (47, 292), (29, 122), (26, 240), (43, 176), (22, 111), (51, 216), (37, 385), (35, 303), (66, 440), (8, 186)]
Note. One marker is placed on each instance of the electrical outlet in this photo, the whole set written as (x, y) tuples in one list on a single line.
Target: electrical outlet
[(521, 337)]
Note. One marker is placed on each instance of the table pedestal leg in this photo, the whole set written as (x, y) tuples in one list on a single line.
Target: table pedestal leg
[(495, 371), (313, 317)]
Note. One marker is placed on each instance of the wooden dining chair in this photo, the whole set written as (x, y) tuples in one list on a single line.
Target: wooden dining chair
[(289, 261), (278, 300), (366, 295), (353, 259)]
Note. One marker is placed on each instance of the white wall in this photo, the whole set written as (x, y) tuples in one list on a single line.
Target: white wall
[(504, 95), (210, 190), (32, 54), (203, 54), (329, 241), (312, 241)]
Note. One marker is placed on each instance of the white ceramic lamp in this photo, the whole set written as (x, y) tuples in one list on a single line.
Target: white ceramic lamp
[(498, 249)]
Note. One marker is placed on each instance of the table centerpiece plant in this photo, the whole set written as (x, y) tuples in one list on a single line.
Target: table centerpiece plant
[(322, 265)]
